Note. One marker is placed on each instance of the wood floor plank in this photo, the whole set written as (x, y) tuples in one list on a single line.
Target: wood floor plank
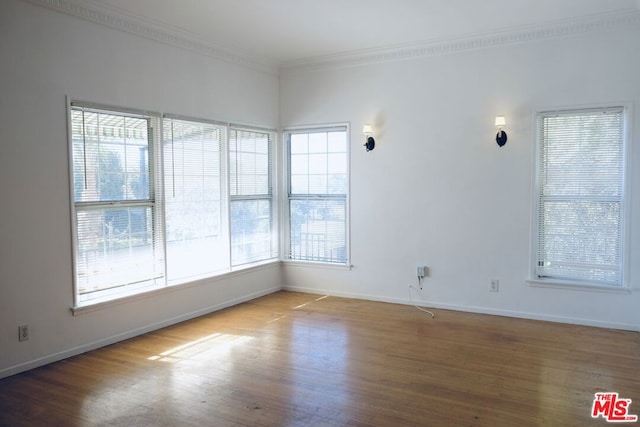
[(294, 359)]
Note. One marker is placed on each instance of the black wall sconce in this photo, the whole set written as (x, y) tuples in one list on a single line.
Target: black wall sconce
[(501, 137), (371, 143)]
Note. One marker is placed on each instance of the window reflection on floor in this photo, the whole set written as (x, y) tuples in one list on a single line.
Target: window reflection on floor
[(203, 348)]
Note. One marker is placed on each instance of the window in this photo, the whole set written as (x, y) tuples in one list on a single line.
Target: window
[(318, 182), (159, 205), (197, 240), (118, 238), (250, 172), (580, 196)]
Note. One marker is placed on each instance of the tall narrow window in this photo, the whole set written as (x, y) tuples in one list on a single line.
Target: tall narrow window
[(196, 231), (118, 240), (581, 156), (250, 187), (318, 189)]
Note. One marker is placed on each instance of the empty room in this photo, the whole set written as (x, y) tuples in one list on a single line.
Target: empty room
[(305, 213)]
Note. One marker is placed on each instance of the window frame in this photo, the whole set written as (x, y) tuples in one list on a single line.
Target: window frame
[(287, 195), (576, 283), (154, 202)]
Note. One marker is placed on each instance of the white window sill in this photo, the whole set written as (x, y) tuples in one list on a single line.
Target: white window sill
[(316, 264), (575, 286), (100, 304)]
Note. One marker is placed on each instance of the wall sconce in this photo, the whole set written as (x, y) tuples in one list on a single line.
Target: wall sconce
[(501, 137), (371, 143)]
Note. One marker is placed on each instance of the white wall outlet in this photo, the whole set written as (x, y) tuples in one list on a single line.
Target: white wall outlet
[(423, 271), (494, 285), (23, 332)]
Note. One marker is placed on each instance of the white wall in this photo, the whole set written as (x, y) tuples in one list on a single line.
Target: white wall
[(45, 57), (438, 191)]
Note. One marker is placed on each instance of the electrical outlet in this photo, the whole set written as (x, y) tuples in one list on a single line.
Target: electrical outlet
[(494, 285), (423, 271), (23, 332)]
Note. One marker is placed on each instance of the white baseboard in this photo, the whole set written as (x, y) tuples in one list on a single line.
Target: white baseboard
[(474, 309), (41, 361)]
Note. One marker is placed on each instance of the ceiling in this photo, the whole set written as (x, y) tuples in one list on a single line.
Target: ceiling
[(285, 31)]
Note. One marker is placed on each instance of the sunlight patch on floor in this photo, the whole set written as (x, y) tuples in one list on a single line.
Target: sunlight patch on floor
[(213, 344), (310, 302)]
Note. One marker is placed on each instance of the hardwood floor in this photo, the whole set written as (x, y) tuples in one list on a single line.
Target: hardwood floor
[(293, 359)]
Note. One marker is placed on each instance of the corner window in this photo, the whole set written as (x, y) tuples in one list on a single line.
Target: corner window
[(318, 184), (158, 201), (580, 196)]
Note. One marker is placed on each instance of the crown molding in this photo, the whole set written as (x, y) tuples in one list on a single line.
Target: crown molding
[(139, 26), (517, 35)]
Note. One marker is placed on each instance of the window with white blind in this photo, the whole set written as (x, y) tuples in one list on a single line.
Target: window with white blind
[(118, 239), (162, 201), (251, 195), (580, 196), (318, 183), (195, 208)]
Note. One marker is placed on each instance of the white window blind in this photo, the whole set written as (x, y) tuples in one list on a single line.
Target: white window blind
[(196, 232), (118, 244), (580, 196), (250, 172), (318, 189)]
